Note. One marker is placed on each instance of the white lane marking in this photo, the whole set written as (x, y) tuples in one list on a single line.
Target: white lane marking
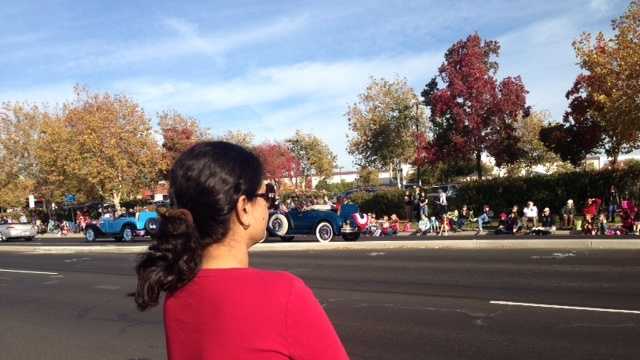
[(375, 253), (564, 307), (28, 272)]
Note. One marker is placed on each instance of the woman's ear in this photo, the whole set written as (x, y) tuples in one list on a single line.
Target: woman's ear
[(242, 212)]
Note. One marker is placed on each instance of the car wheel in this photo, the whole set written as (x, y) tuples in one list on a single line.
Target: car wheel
[(278, 224), (324, 232), (151, 226), (90, 235), (127, 233), (29, 238)]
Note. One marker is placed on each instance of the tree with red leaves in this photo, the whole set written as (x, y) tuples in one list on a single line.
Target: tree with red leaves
[(178, 132), (278, 161), (474, 113), (580, 133)]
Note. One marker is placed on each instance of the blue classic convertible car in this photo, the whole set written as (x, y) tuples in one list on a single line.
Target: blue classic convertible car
[(124, 227), (324, 224)]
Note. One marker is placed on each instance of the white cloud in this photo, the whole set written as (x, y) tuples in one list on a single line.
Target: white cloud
[(186, 39), (313, 80)]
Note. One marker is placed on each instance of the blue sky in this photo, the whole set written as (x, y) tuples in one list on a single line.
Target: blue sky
[(272, 67)]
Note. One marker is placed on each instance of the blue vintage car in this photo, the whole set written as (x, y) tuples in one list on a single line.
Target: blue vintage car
[(124, 227), (324, 224)]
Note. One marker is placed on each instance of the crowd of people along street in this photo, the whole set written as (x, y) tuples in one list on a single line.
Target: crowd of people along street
[(433, 216)]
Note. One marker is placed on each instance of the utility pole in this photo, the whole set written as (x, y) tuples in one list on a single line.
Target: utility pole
[(419, 181)]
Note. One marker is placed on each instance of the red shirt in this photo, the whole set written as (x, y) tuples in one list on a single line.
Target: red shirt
[(246, 313)]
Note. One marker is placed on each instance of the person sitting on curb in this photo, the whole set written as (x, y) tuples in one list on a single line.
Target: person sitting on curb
[(530, 215), (513, 221), (502, 224), (568, 213), (394, 223), (590, 212), (446, 225), (484, 218), (547, 224), (463, 216), (424, 225), (603, 227)]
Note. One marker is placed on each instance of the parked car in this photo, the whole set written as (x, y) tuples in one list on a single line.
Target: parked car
[(124, 227), (324, 224), (450, 189), (26, 231)]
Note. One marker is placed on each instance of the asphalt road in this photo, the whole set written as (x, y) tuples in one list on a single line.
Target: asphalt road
[(78, 239), (417, 304)]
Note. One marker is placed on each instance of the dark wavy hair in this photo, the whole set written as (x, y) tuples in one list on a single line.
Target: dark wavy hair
[(206, 182)]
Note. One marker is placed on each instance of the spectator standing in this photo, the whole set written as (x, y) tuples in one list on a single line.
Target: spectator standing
[(408, 206), (424, 206), (442, 200), (215, 305), (612, 203)]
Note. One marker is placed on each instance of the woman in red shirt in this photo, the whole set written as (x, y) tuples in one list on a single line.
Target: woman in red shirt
[(216, 306)]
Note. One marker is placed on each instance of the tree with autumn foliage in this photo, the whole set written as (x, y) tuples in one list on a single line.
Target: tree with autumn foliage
[(314, 155), (178, 132), (239, 137), (603, 102), (473, 113), (101, 146), (278, 161), (20, 126), (384, 124)]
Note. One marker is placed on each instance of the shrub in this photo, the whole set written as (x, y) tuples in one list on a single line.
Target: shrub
[(381, 203), (547, 190)]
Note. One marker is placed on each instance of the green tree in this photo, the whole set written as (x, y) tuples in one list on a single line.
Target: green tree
[(315, 157), (534, 152), (368, 176), (384, 124)]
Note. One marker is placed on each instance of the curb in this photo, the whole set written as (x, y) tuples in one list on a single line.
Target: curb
[(578, 244)]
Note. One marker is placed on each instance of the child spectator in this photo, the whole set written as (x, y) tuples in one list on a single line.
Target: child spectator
[(444, 227)]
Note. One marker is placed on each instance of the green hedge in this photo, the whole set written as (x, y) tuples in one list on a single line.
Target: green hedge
[(381, 203), (548, 190)]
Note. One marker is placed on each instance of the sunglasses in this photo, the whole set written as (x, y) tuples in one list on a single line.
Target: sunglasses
[(268, 196)]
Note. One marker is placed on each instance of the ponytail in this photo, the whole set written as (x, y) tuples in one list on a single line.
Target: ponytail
[(206, 182), (171, 261)]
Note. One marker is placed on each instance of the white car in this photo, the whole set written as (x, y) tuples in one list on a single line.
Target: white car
[(25, 231)]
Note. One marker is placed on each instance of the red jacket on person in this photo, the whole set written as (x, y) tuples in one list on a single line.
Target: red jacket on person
[(592, 209)]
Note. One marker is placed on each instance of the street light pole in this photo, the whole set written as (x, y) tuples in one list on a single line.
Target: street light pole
[(419, 181)]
